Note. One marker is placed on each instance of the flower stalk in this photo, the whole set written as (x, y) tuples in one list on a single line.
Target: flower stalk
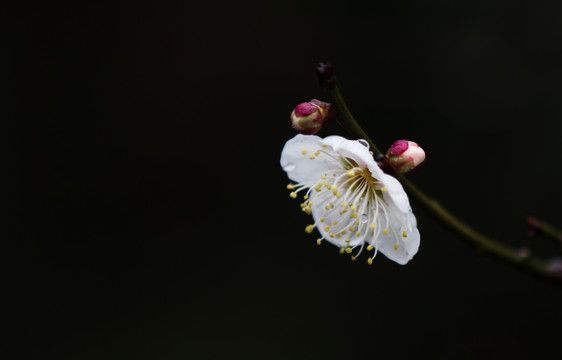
[(474, 238)]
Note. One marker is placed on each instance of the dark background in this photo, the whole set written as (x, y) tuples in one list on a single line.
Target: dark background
[(151, 210)]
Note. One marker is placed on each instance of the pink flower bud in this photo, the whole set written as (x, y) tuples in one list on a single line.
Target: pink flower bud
[(307, 118), (405, 156)]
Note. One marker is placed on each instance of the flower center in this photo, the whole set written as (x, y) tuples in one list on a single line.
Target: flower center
[(348, 205)]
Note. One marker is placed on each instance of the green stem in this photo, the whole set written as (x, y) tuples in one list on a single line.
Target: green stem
[(471, 236)]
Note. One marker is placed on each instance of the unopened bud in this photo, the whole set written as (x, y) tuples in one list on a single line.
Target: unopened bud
[(307, 118), (404, 156)]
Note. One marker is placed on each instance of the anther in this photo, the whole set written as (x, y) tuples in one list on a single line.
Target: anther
[(319, 242), (370, 247), (384, 189), (351, 173), (303, 151), (396, 246), (348, 250), (344, 204), (290, 186), (371, 226), (353, 207), (347, 240), (312, 157), (370, 261), (404, 233), (293, 195), (335, 222), (317, 152), (358, 233), (385, 231), (353, 258), (322, 219), (327, 228), (309, 229), (342, 250), (305, 197)]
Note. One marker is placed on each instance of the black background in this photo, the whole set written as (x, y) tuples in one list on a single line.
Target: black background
[(151, 210)]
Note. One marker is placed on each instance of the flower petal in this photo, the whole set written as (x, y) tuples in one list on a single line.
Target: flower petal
[(395, 196), (356, 151), (299, 166), (407, 246)]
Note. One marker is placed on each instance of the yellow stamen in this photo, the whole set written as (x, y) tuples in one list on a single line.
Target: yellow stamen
[(290, 186), (351, 173), (344, 204), (342, 250), (327, 228), (396, 246), (293, 195), (312, 157), (404, 234), (319, 242), (335, 222), (370, 261), (384, 189), (358, 233), (309, 229), (322, 219), (317, 152), (348, 250), (385, 231), (370, 247), (303, 151), (371, 226)]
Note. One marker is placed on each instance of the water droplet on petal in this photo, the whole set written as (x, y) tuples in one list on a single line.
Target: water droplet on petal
[(364, 218), (363, 142), (289, 167)]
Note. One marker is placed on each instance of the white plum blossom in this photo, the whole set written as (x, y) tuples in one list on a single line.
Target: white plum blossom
[(354, 204)]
